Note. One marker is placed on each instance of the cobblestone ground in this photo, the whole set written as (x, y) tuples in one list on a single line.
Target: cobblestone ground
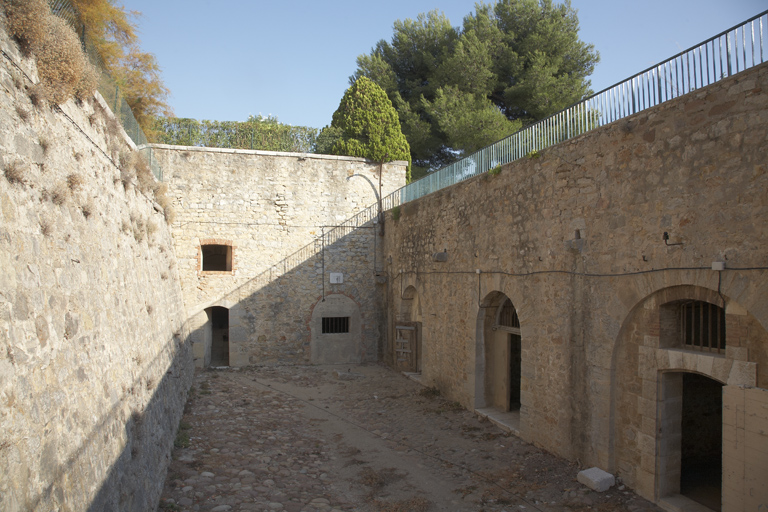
[(306, 439)]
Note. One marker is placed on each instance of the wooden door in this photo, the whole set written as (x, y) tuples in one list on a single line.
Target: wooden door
[(407, 347)]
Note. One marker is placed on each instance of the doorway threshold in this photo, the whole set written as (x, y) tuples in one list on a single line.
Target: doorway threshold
[(680, 503), (508, 421)]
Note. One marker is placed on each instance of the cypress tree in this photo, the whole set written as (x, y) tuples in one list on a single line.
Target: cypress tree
[(368, 126)]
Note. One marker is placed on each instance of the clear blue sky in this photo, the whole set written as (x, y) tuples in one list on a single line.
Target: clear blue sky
[(227, 59)]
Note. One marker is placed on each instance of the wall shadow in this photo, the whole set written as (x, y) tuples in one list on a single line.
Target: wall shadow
[(132, 481), (270, 314)]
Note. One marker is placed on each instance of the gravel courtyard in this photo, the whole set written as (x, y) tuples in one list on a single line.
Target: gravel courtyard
[(341, 438)]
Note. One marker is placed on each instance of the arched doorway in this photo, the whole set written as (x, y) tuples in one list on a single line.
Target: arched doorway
[(688, 372), (509, 323), (408, 345), (218, 323), (499, 380)]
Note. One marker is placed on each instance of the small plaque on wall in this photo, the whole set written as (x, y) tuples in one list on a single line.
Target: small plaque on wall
[(337, 278)]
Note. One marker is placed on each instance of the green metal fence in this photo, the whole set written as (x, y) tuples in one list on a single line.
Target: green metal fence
[(107, 87)]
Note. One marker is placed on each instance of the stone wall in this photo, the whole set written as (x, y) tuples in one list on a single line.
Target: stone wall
[(286, 218), (574, 236), (94, 369)]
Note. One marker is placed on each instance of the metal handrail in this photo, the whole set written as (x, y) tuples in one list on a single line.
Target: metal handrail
[(734, 50)]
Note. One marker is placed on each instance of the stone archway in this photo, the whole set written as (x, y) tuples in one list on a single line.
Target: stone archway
[(210, 329), (498, 357), (336, 330), (408, 345), (657, 370)]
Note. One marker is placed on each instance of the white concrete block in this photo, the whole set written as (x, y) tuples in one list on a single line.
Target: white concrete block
[(596, 479)]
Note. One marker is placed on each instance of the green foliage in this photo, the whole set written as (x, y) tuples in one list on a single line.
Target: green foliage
[(112, 33), (458, 89), (264, 133), (367, 125), (182, 440), (396, 213), (327, 137), (470, 121), (533, 155), (182, 436), (495, 171)]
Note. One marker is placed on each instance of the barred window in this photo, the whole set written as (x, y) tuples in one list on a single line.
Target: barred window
[(508, 315), (702, 326), (335, 324)]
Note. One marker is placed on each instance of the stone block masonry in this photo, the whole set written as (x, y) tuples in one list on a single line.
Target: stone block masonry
[(285, 217), (592, 362), (94, 367)]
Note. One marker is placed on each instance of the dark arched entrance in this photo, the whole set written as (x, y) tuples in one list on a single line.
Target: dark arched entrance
[(218, 319), (701, 452), (500, 355)]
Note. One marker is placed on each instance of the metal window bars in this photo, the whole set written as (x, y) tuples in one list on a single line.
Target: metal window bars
[(508, 315), (702, 326), (732, 51), (335, 325)]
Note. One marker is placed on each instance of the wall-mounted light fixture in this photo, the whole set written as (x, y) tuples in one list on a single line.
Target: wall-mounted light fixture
[(665, 237)]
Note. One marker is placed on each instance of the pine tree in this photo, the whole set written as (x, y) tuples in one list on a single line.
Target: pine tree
[(458, 89)]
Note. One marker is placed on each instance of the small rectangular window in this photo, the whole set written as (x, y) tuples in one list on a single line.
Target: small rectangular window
[(335, 324), (217, 258)]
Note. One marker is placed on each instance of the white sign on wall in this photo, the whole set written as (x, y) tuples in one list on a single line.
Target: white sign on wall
[(337, 278)]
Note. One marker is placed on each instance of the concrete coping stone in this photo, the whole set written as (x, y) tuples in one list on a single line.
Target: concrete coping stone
[(596, 479), (267, 153)]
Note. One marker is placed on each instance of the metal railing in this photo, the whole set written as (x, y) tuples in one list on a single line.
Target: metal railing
[(736, 49), (107, 87)]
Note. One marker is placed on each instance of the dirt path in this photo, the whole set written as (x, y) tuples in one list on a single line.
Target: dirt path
[(357, 438)]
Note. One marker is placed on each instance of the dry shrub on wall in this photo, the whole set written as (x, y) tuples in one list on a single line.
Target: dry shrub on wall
[(23, 18), (87, 209), (59, 194), (133, 164), (38, 95), (16, 173), (170, 214), (60, 61), (46, 225), (125, 164), (143, 173), (161, 195), (75, 182), (22, 113), (88, 82), (62, 66)]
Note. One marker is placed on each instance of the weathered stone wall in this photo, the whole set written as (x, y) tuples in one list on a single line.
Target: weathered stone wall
[(93, 366), (280, 213), (574, 237)]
